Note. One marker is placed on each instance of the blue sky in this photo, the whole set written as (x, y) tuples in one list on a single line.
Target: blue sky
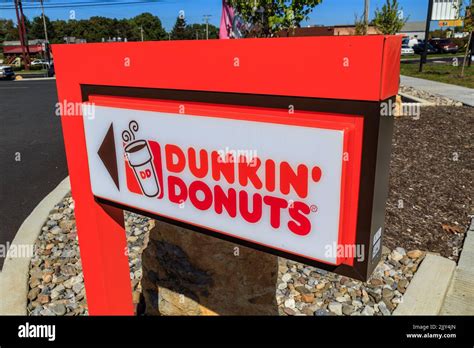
[(330, 12)]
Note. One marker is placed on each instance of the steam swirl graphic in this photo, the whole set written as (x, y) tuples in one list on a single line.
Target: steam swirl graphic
[(129, 135)]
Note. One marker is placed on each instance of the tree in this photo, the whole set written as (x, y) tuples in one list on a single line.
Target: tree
[(180, 30), (61, 29), (151, 25), (201, 30), (267, 17), (98, 27), (37, 28), (360, 26), (8, 30), (439, 33), (388, 20)]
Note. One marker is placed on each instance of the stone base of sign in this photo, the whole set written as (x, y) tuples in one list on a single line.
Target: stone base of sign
[(188, 273)]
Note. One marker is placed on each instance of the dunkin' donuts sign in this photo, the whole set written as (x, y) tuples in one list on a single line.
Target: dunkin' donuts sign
[(278, 180)]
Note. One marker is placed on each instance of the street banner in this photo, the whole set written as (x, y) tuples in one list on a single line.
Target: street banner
[(227, 19)]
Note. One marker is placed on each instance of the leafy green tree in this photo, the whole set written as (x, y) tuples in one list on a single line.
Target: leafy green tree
[(438, 33), (200, 29), (267, 17), (8, 30), (37, 28), (99, 27), (388, 20), (61, 29), (360, 27), (151, 25)]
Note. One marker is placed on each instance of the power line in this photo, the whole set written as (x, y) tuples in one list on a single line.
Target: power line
[(83, 4)]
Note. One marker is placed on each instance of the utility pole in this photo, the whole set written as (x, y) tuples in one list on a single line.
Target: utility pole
[(366, 16), (427, 34), (22, 33), (206, 18), (141, 31), (46, 46)]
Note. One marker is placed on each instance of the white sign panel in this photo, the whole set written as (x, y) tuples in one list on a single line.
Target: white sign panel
[(276, 185), (445, 10)]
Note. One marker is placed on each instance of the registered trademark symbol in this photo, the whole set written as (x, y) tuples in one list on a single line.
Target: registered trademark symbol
[(313, 208)]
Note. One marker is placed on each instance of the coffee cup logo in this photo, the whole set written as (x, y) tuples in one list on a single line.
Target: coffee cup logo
[(140, 159)]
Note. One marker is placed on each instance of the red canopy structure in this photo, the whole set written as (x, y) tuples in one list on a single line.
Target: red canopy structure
[(16, 49)]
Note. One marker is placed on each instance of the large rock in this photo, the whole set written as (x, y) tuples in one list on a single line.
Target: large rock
[(188, 273)]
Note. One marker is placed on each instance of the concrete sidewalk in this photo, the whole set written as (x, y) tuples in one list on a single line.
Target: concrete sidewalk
[(462, 94), (460, 297)]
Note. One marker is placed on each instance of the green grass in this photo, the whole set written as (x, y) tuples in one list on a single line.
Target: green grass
[(25, 72), (441, 73), (446, 55)]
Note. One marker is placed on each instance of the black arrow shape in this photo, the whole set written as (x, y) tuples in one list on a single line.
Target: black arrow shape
[(108, 155)]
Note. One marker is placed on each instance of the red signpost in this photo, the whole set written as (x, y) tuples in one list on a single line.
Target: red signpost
[(292, 88)]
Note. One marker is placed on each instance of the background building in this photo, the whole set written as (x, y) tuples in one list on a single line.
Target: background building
[(414, 30)]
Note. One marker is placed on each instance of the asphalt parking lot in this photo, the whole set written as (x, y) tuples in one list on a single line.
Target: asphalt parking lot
[(32, 154)]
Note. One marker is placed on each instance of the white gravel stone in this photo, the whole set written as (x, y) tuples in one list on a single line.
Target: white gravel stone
[(368, 311), (335, 307), (290, 303)]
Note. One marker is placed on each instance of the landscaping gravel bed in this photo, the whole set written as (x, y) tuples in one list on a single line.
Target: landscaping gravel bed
[(305, 290), (57, 285)]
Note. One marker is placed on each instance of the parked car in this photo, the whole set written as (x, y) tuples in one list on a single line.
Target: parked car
[(410, 42), (42, 62), (407, 50), (444, 45), (421, 47), (6, 72)]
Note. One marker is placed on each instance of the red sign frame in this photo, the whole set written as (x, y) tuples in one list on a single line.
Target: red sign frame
[(342, 81)]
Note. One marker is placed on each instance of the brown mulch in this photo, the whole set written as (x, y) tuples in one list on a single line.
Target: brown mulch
[(431, 181)]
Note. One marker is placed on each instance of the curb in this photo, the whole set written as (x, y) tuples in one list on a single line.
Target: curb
[(422, 102), (442, 89), (460, 297), (35, 79), (426, 292), (14, 277)]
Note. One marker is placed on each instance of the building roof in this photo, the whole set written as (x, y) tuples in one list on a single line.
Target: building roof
[(413, 26), (18, 43), (18, 50)]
